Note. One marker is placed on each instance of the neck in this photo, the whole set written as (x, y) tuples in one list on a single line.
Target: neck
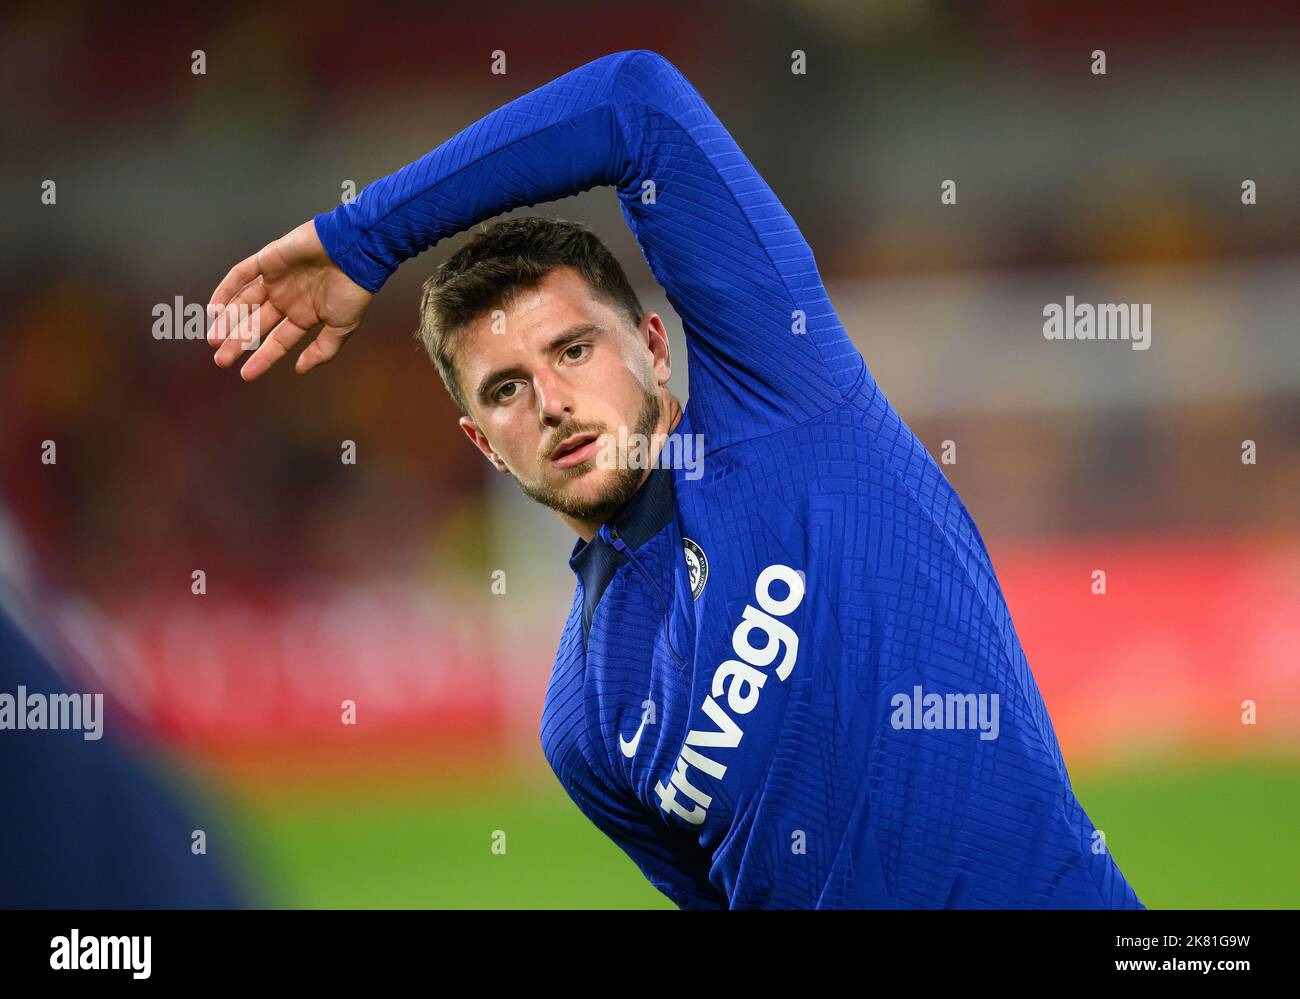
[(671, 415)]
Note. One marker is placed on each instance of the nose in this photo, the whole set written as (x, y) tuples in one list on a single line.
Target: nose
[(553, 399)]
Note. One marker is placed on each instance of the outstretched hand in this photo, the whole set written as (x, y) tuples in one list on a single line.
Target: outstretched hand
[(276, 297)]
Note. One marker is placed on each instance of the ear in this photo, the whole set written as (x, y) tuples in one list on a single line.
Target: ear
[(655, 337), (481, 442)]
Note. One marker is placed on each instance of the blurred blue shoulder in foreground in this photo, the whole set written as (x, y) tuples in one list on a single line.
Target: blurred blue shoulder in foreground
[(85, 824)]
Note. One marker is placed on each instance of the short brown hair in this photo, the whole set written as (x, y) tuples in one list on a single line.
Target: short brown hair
[(509, 256)]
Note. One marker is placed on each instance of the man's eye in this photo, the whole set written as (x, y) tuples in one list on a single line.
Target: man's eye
[(502, 395), (578, 347)]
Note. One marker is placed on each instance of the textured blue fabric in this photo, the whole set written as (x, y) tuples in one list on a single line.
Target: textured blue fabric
[(843, 571)]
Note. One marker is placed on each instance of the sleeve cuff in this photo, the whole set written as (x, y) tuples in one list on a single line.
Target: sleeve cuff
[(335, 231)]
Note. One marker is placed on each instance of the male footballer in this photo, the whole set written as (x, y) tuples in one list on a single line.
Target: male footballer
[(788, 677)]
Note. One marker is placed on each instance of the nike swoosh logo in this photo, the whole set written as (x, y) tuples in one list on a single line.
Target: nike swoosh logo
[(629, 746)]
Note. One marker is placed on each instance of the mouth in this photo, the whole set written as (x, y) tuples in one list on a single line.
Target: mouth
[(574, 450)]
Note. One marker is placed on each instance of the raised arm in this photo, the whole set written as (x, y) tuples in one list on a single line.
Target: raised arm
[(766, 348)]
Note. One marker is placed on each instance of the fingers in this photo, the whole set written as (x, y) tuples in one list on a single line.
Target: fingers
[(236, 311), (322, 349), (253, 324), (239, 277), (283, 337)]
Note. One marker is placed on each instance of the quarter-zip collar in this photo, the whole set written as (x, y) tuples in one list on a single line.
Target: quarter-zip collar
[(637, 521)]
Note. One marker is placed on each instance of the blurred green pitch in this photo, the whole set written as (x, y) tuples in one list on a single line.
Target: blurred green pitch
[(1187, 834)]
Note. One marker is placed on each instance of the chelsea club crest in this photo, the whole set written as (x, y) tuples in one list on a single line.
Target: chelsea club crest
[(697, 566)]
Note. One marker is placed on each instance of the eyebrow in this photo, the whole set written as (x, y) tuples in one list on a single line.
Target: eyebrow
[(558, 342)]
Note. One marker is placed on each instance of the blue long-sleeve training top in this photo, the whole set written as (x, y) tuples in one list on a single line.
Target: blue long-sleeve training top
[(791, 680)]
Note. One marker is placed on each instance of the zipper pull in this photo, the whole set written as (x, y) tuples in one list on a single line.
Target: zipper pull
[(618, 544)]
